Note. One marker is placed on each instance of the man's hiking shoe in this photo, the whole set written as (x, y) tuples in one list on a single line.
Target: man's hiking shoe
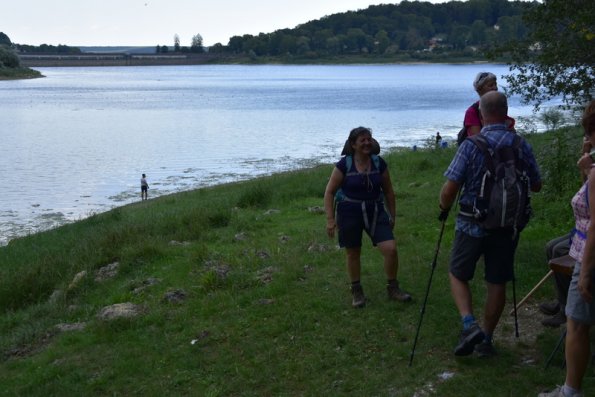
[(397, 294), (485, 349), (358, 297), (555, 321), (557, 392), (549, 308), (468, 339)]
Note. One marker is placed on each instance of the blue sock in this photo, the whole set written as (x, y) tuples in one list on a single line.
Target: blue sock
[(468, 321), (488, 338)]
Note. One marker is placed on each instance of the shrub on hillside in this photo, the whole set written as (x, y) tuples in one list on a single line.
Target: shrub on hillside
[(5, 40), (8, 58)]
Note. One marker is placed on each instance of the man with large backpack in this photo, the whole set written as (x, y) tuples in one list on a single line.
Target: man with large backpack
[(496, 169)]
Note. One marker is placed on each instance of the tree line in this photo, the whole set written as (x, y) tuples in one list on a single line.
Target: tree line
[(196, 46), (475, 25), (9, 58), (10, 63)]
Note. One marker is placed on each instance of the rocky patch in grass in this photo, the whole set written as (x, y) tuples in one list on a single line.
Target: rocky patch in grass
[(120, 310), (221, 269), (175, 296), (31, 348), (137, 289), (107, 272), (266, 275), (67, 327)]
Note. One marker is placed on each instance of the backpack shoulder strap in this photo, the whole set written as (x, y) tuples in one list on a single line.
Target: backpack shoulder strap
[(481, 142), (517, 144), (476, 106), (349, 161), (376, 161)]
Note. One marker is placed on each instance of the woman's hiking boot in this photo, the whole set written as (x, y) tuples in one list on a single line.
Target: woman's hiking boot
[(549, 308), (358, 297), (555, 321), (397, 294)]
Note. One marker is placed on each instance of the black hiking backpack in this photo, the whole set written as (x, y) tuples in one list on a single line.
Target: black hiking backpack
[(503, 199)]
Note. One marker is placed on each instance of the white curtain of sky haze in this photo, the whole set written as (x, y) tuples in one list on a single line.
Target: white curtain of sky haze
[(155, 22)]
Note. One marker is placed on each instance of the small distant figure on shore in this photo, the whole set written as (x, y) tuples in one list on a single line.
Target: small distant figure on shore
[(144, 187), (438, 138)]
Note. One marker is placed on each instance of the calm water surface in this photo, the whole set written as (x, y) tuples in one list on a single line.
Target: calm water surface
[(77, 141)]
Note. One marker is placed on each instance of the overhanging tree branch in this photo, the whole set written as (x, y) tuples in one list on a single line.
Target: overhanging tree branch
[(558, 57)]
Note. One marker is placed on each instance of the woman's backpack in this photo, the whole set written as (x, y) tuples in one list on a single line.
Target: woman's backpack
[(462, 135)]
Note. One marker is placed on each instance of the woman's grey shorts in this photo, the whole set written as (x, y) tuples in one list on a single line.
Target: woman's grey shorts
[(576, 307)]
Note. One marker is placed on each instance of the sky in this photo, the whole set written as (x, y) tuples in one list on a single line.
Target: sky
[(155, 22)]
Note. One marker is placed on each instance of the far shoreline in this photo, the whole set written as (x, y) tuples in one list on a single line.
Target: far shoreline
[(26, 73), (177, 59)]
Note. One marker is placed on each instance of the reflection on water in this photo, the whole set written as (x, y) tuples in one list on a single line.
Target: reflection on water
[(76, 142)]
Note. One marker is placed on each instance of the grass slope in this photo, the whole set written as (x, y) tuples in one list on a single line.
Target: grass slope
[(19, 73), (267, 309)]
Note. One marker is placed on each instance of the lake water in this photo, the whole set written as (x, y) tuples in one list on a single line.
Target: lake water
[(77, 141)]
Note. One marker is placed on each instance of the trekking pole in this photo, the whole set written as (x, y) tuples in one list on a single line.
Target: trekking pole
[(423, 307), (516, 320)]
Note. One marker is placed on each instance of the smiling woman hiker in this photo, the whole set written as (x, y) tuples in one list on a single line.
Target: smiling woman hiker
[(360, 184)]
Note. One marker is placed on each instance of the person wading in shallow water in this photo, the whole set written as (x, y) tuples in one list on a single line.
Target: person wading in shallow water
[(360, 184), (144, 188)]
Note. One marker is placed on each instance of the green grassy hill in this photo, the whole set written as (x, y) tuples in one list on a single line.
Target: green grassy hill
[(240, 293), (19, 73)]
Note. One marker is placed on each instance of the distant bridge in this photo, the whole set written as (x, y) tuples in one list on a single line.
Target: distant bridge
[(116, 59)]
